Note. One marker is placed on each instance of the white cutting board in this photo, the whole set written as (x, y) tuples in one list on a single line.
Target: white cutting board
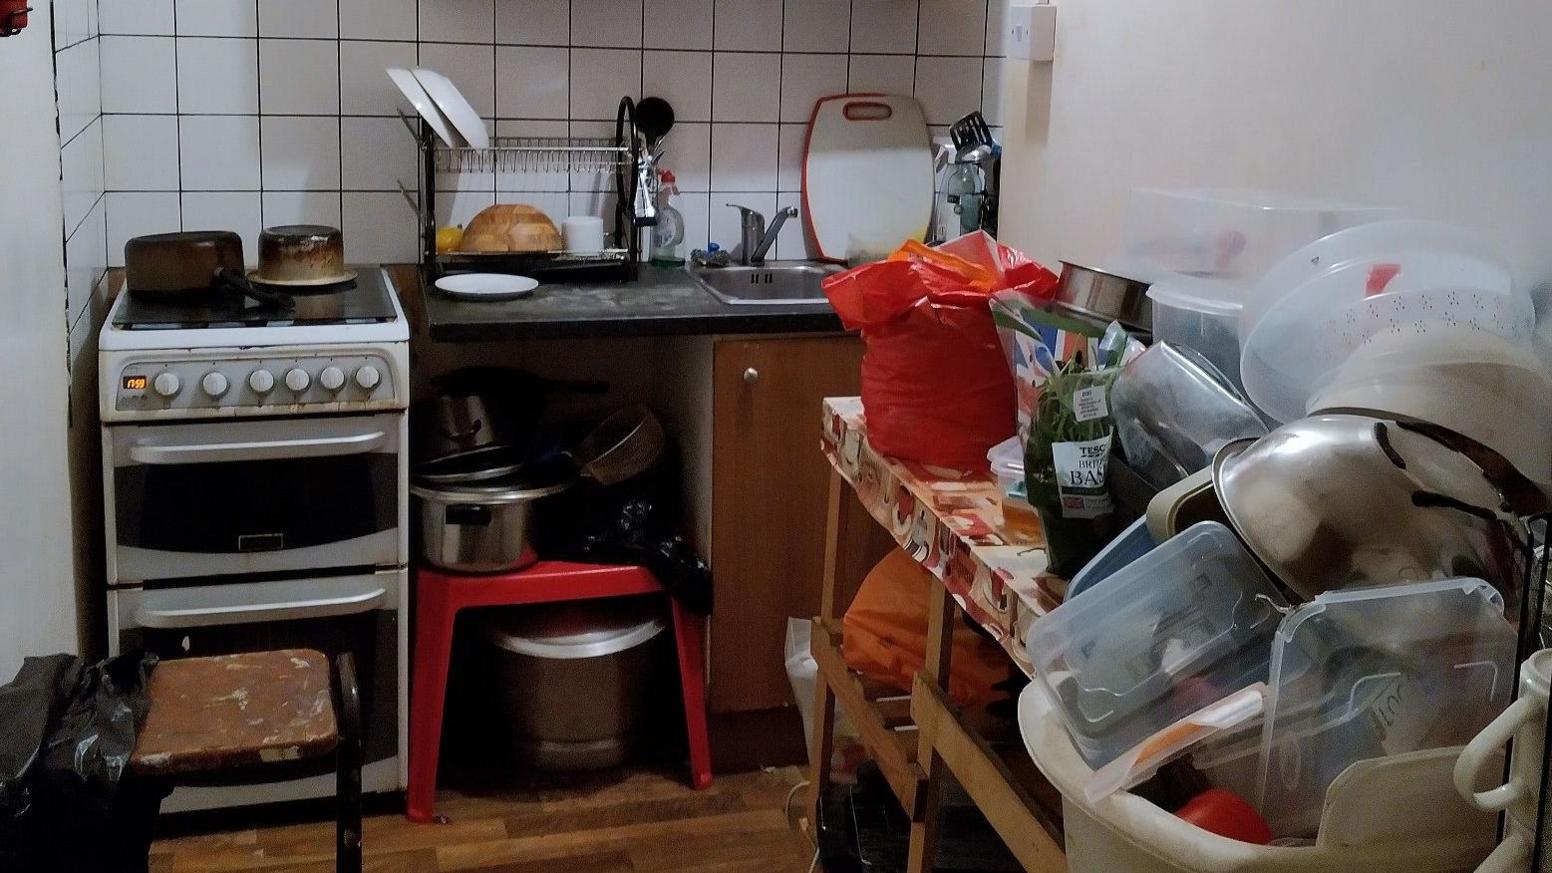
[(867, 173)]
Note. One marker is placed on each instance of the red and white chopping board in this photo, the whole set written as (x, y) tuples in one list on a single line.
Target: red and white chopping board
[(867, 173)]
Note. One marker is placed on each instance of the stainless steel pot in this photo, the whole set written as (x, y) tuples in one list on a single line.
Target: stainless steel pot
[(480, 527), (1105, 296), (575, 678)]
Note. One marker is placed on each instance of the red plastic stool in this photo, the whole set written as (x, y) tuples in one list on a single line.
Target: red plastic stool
[(441, 595)]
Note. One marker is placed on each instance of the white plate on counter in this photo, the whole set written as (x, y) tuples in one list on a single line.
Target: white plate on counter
[(486, 286)]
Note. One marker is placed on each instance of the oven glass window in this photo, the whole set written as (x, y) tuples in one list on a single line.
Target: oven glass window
[(256, 506)]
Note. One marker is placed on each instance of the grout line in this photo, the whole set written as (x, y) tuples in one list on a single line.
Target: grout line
[(177, 105), (258, 87), (339, 127)]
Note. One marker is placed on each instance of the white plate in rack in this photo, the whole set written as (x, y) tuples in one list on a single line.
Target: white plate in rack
[(486, 286), (416, 94), (455, 106)]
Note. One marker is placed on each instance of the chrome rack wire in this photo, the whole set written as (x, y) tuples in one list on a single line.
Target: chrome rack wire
[(527, 154)]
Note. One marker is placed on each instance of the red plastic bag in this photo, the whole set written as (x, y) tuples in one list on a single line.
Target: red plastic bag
[(935, 383)]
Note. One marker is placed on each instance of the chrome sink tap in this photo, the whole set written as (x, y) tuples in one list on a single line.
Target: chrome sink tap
[(757, 239)]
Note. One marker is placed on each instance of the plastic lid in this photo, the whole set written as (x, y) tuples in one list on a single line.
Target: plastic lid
[(1199, 295), (1007, 458), (585, 629)]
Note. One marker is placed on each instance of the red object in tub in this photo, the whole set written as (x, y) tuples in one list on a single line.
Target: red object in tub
[(1222, 812)]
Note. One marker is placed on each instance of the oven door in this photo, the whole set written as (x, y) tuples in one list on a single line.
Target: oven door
[(244, 497), (359, 614)]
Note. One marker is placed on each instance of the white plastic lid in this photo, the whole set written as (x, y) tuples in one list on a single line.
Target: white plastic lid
[(582, 629), (1199, 295), (1007, 458)]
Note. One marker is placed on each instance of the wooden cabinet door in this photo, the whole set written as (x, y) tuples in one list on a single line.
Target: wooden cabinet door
[(769, 490)]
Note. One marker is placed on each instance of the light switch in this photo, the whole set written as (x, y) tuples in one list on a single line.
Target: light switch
[(1031, 32)]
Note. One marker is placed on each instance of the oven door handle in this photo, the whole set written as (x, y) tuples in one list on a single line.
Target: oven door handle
[(291, 610), (265, 450)]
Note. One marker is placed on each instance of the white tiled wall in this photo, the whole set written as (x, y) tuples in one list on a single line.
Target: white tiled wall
[(78, 84), (247, 113)]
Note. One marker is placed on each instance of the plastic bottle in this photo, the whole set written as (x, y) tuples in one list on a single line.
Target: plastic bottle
[(668, 235)]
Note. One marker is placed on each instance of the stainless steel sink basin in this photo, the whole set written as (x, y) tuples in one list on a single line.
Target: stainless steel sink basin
[(771, 282)]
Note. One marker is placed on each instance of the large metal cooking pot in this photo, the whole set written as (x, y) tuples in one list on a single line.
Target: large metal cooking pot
[(1350, 501), (575, 678), (481, 527), (1105, 296), (191, 267)]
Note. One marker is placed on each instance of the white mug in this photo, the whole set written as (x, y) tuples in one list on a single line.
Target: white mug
[(583, 234), (1525, 722)]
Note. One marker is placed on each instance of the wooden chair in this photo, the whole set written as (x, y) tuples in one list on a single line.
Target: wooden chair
[(239, 718)]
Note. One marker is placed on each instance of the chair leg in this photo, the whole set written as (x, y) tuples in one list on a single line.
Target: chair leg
[(690, 642), (434, 614), (347, 775)]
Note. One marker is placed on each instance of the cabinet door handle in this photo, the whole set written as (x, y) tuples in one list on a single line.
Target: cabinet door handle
[(751, 376)]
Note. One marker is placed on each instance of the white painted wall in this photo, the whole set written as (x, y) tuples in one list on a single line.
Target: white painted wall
[(37, 596), (1437, 106)]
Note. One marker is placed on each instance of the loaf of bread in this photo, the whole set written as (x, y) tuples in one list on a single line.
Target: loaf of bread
[(511, 227)]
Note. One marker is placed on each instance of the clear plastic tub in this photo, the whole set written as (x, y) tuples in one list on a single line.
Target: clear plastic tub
[(1185, 625), (1132, 544), (1200, 315), (1227, 233), (1373, 673)]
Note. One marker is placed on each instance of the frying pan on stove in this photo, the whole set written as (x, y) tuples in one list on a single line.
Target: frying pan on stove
[(194, 267)]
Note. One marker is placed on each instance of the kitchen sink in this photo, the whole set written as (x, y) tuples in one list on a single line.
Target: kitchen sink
[(770, 282)]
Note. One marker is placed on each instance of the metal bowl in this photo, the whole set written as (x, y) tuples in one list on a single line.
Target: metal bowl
[(1348, 501), (1105, 296)]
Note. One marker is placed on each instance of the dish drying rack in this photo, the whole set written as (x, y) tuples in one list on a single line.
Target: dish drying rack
[(619, 155)]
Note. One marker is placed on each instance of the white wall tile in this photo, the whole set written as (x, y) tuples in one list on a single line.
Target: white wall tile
[(237, 211), (882, 74), (301, 207), (472, 69), (696, 208), (753, 94), (81, 175), (687, 151), (219, 152), (805, 79), (135, 16), (883, 26), (140, 152), (599, 203), (139, 74), (792, 240), (458, 21), (217, 75), (132, 214), (948, 88), (600, 77), (70, 22), (532, 81), (299, 76), (609, 23), (378, 19), (817, 26), (994, 86), (952, 27), (538, 178), (378, 229), (791, 147), (377, 153), (533, 22), (459, 207), (300, 153), (748, 25), (314, 19), (726, 229), (216, 18), (681, 78), (365, 88), (681, 24), (996, 27), (78, 87), (743, 157), (86, 257)]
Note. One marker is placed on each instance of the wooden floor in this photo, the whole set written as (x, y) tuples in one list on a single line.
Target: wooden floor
[(639, 821)]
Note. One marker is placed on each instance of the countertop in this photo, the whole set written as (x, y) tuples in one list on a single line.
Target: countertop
[(664, 301)]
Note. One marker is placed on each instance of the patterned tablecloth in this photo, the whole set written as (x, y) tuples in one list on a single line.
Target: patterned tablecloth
[(953, 522)]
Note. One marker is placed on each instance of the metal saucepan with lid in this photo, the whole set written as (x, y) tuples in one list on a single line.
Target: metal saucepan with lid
[(194, 267), (482, 527), (1333, 502)]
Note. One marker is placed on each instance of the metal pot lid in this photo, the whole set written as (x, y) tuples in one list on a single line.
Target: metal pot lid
[(510, 489), (476, 465), (582, 629)]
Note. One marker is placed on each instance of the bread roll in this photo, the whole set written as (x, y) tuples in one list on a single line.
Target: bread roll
[(511, 227)]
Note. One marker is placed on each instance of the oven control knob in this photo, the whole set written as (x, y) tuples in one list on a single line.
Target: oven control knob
[(368, 377), (214, 384), (297, 379), (332, 378), (166, 384), (261, 381)]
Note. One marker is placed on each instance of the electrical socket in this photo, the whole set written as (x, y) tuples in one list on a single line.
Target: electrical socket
[(1031, 32)]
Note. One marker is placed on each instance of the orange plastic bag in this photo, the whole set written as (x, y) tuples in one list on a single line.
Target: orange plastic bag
[(935, 383), (884, 635)]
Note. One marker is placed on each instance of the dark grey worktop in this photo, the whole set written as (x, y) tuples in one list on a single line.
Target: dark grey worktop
[(664, 301)]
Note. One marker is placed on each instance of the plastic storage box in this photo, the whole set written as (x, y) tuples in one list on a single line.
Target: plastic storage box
[(1179, 628), (1202, 315), (1227, 233)]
